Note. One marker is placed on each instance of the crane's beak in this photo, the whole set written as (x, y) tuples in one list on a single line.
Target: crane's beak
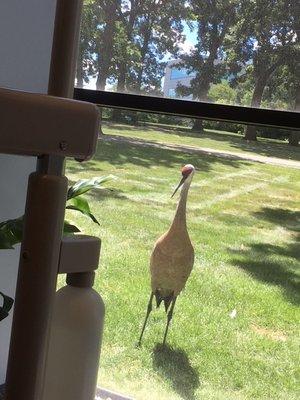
[(180, 184)]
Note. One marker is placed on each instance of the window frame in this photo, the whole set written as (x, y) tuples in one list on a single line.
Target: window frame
[(289, 120)]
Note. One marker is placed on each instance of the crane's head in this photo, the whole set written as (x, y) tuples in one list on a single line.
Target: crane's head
[(187, 173)]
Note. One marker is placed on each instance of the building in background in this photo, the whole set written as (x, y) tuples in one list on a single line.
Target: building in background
[(175, 76)]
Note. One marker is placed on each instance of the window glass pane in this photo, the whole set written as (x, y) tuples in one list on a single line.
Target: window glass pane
[(229, 52), (242, 220), (178, 73)]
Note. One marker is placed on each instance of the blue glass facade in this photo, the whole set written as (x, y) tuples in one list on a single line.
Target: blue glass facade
[(180, 73)]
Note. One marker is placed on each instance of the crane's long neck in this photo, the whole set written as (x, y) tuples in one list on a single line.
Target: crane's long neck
[(179, 222)]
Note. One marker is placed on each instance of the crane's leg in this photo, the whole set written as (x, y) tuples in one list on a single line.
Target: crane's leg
[(169, 317), (149, 309)]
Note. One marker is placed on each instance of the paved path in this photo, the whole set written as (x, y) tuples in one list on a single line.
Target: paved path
[(205, 150)]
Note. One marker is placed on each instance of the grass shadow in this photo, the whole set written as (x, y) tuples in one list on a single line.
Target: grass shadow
[(118, 153), (289, 219), (274, 273), (274, 264), (264, 147), (174, 365)]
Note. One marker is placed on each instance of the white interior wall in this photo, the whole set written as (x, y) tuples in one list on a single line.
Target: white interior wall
[(26, 29)]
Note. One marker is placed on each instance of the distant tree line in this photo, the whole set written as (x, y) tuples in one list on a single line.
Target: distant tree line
[(246, 52)]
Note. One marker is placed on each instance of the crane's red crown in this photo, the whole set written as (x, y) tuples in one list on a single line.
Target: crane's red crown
[(187, 169)]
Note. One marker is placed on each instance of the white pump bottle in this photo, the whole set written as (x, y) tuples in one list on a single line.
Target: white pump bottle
[(75, 341)]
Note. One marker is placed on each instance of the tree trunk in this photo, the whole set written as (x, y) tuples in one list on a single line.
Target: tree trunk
[(250, 133), (260, 84), (147, 36), (294, 137), (198, 126), (79, 74), (79, 65), (117, 112), (116, 115), (100, 85), (135, 118), (101, 82), (105, 51), (203, 96), (100, 133), (250, 130)]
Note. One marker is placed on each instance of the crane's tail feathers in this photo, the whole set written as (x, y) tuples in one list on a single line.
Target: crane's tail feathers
[(158, 299), (166, 299)]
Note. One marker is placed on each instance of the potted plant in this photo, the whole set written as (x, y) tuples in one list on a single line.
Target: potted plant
[(11, 230)]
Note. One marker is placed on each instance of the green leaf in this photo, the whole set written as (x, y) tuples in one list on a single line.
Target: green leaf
[(3, 314), (6, 307), (70, 228), (84, 185), (81, 205), (11, 233), (5, 241)]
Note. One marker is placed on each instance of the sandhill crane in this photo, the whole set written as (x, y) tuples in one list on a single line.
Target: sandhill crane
[(172, 258)]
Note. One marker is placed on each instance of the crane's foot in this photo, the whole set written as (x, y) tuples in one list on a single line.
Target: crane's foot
[(169, 318), (149, 309)]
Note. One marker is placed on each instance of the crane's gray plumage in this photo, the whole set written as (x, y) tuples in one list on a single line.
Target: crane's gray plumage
[(172, 258)]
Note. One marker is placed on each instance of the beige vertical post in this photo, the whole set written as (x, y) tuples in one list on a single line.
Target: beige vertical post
[(44, 217)]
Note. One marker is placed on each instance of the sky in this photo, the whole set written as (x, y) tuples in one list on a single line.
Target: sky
[(185, 47), (191, 38)]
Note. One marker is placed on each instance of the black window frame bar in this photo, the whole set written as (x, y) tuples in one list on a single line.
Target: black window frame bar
[(192, 109)]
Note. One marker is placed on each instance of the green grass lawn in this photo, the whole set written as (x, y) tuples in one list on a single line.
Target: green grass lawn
[(217, 140), (243, 221)]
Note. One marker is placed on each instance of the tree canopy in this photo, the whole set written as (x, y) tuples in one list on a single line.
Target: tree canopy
[(244, 52)]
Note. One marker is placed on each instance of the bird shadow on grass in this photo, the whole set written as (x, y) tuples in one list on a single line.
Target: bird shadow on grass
[(174, 366)]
